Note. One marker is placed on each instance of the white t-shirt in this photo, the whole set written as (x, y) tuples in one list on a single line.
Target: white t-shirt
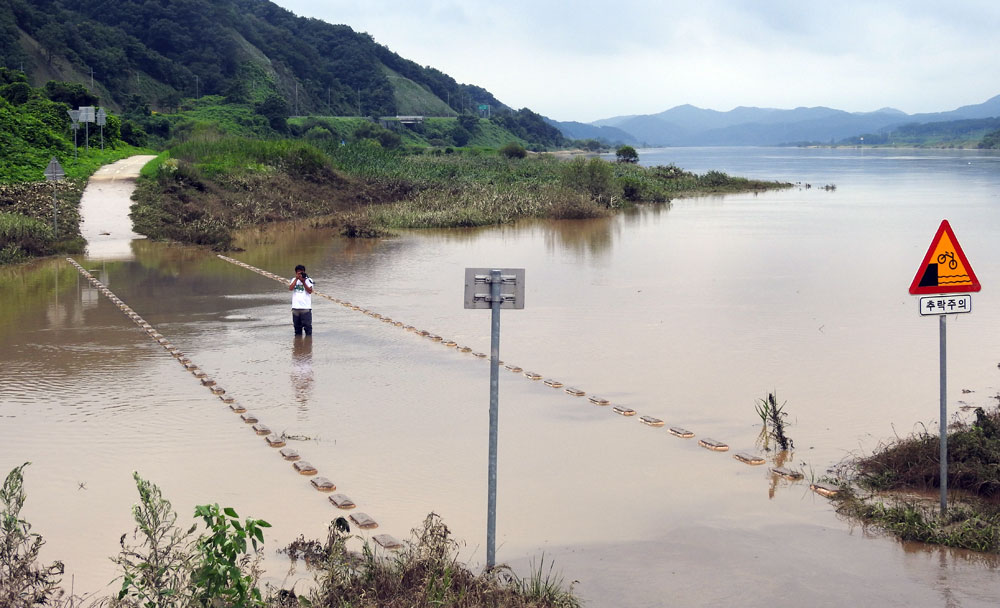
[(300, 297)]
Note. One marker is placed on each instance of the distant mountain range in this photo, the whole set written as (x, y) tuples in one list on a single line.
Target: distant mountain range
[(687, 125)]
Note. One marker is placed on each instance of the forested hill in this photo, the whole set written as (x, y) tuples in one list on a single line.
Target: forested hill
[(156, 52)]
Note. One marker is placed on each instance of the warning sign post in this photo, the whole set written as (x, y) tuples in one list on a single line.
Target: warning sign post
[(945, 270)]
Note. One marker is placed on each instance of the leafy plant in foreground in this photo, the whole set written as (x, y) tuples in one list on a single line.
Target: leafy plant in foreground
[(226, 572), (23, 581), (772, 416)]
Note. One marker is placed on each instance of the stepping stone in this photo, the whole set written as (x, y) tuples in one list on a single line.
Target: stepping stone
[(387, 542), (679, 432), (227, 399), (575, 392), (237, 408), (342, 501), (410, 328), (532, 376), (553, 383), (480, 355), (198, 373), (323, 484), (363, 520), (752, 459), (651, 421), (206, 381), (397, 323), (450, 343), (217, 390), (786, 473), (275, 441), (304, 468), (624, 411), (289, 454), (513, 368), (261, 429), (598, 400), (464, 349), (712, 444), (423, 332), (825, 489), (162, 340), (249, 418), (434, 338)]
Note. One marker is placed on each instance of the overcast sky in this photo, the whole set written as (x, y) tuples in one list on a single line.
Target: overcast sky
[(590, 59)]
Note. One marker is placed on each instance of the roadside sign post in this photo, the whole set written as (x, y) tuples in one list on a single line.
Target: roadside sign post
[(944, 271), (53, 173), (87, 116), (494, 289), (102, 119), (74, 116)]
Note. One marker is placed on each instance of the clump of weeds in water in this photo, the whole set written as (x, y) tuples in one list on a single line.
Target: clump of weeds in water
[(892, 489), (425, 573), (773, 420), (23, 581)]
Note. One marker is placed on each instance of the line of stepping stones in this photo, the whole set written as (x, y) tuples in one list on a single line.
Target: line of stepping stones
[(322, 484), (707, 443)]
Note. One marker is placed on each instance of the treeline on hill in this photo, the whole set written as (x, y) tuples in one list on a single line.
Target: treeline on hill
[(246, 50), (975, 132)]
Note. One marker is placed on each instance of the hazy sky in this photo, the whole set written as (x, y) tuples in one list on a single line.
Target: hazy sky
[(588, 59)]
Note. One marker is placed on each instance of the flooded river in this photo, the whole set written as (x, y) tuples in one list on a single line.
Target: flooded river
[(687, 312)]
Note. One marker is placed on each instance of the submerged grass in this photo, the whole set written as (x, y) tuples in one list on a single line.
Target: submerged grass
[(885, 486)]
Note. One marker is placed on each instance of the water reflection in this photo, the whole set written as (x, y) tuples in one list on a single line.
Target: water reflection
[(302, 370), (594, 238)]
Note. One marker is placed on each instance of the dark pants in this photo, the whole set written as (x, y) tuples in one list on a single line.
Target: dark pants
[(302, 320)]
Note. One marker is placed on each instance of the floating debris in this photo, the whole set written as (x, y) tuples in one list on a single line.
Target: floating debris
[(289, 454), (651, 421), (387, 542), (598, 400), (751, 459), (363, 520), (304, 468), (553, 383), (323, 484), (624, 411), (249, 418), (575, 391), (712, 444), (342, 501), (679, 432), (786, 473), (261, 429), (532, 376), (825, 489), (275, 441)]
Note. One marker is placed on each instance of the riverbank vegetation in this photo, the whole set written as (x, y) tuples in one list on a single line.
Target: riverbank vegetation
[(165, 565), (202, 191), (894, 489)]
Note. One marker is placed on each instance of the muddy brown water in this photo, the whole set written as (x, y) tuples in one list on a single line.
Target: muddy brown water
[(687, 313)]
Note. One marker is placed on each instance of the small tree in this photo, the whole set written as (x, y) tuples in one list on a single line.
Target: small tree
[(513, 150), (627, 154)]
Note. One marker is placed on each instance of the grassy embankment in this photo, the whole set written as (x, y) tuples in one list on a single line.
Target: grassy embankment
[(894, 489), (200, 192)]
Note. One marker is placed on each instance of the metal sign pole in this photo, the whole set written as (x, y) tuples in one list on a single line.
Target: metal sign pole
[(491, 505), (944, 419)]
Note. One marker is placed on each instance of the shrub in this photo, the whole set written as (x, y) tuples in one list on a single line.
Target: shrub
[(627, 154), (513, 150)]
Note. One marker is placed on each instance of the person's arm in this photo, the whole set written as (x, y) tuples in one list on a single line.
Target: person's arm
[(291, 285), (308, 284)]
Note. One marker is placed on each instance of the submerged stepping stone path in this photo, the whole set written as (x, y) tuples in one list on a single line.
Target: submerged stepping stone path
[(651, 421), (249, 418), (342, 501), (553, 383), (323, 484), (237, 408), (786, 473), (574, 391), (598, 400), (712, 444), (480, 355), (679, 432), (624, 411), (532, 376), (275, 441), (363, 520), (387, 542), (304, 468), (751, 459), (261, 429), (289, 454), (825, 489)]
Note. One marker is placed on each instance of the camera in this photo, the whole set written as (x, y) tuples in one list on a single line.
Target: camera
[(304, 275)]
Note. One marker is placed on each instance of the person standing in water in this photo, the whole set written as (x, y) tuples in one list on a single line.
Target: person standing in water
[(301, 288)]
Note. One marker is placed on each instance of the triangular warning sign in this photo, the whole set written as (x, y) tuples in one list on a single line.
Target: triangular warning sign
[(945, 268)]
